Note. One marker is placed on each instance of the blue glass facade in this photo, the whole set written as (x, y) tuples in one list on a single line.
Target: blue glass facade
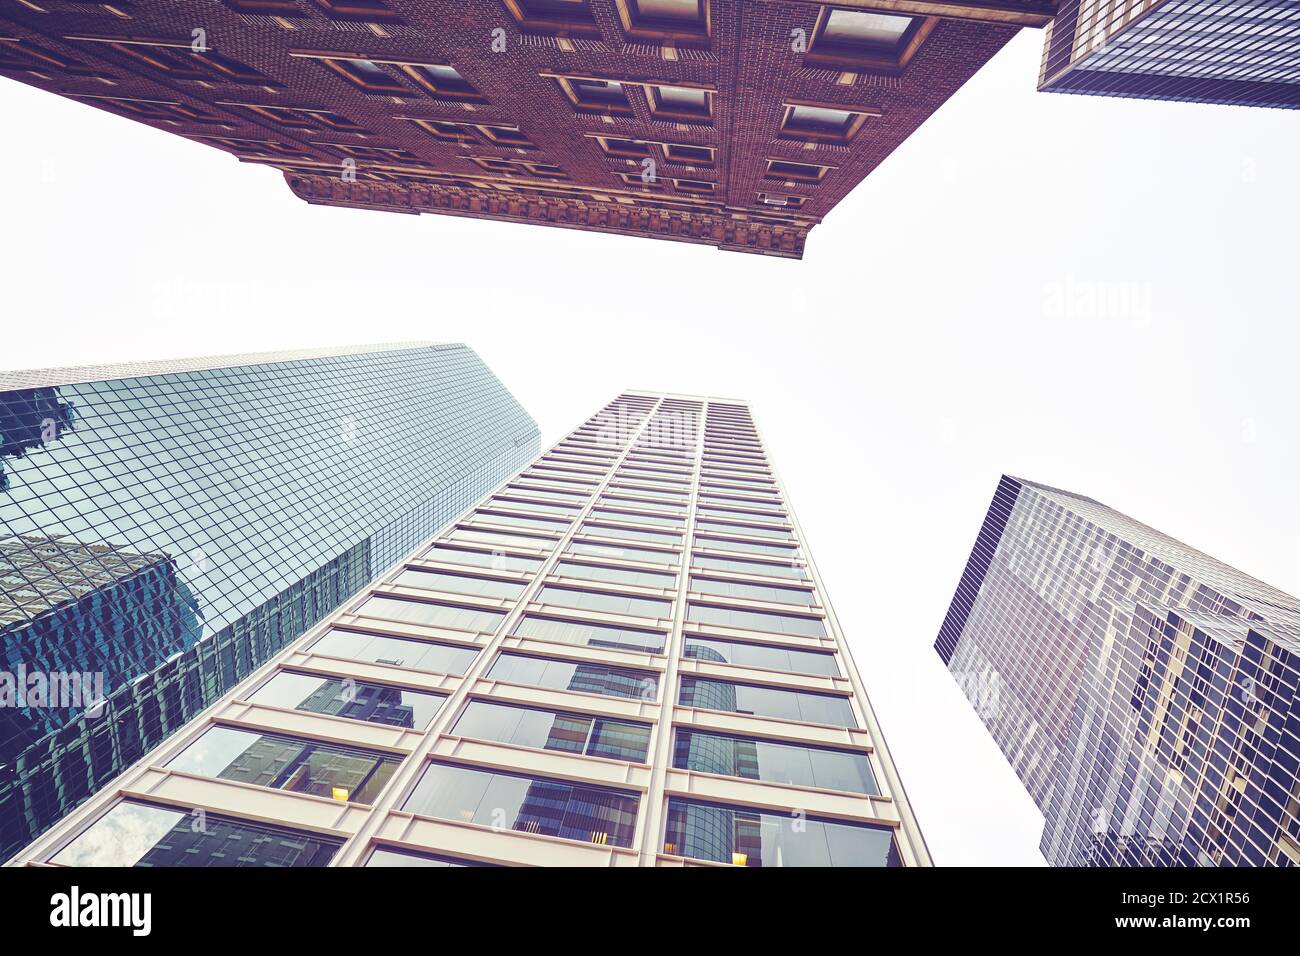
[(1144, 693), (167, 527)]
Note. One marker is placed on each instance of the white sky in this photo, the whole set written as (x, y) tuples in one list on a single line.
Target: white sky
[(1097, 294)]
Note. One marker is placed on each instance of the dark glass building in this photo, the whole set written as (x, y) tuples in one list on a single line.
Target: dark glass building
[(1144, 693), (167, 527), (1244, 54)]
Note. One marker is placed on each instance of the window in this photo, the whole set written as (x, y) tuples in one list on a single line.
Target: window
[(752, 531), (626, 554), (436, 615), (140, 834), (552, 730), (366, 11), (831, 124), (689, 155), (480, 536), (596, 96), (750, 547), (506, 136), (395, 651), (447, 132), (481, 559), (597, 572), (383, 856), (801, 705), (786, 171), (287, 763), (443, 81), (757, 620), (554, 17), (756, 592), (754, 759), (459, 583), (623, 148), (748, 567), (745, 837), (632, 534), (283, 8), (694, 185), (863, 40), (680, 102), (501, 517), (654, 21), (529, 804), (580, 677), (180, 61), (590, 635), (666, 521), (605, 601), (366, 75), (357, 700), (788, 660)]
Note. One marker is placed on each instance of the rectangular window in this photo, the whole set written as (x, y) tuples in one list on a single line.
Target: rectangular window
[(288, 763), (829, 124), (436, 615), (365, 11), (625, 554), (459, 584), (596, 572), (596, 96), (383, 856), (395, 651), (481, 559), (503, 538), (561, 18), (553, 730), (529, 804), (688, 103), (660, 21), (746, 837), (689, 155), (757, 592), (605, 601), (766, 656), (801, 705), (757, 620), (635, 518), (590, 635), (623, 148), (580, 677), (866, 40), (785, 171), (751, 547), (748, 567), (356, 700), (630, 534), (442, 81), (755, 759), (501, 517), (523, 504), (750, 530), (166, 837), (694, 185)]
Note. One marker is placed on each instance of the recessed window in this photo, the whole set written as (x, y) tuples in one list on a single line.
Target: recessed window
[(680, 102), (448, 132), (623, 148), (795, 172), (770, 199), (604, 96), (660, 20), (689, 155), (283, 8), (830, 123), (443, 81), (506, 136), (366, 75), (694, 186), (860, 39), (368, 11), (554, 17)]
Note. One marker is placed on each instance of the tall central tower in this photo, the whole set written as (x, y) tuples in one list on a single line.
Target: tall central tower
[(622, 656)]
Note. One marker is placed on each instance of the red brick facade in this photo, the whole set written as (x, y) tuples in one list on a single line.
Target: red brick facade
[(524, 129)]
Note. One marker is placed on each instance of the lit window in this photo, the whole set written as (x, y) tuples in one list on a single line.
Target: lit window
[(680, 102), (795, 172), (554, 17), (823, 122), (659, 20), (858, 39)]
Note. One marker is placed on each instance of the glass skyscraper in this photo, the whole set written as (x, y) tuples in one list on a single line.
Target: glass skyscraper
[(167, 527), (621, 656), (1144, 693)]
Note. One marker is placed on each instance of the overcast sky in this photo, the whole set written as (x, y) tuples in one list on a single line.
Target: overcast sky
[(1097, 294)]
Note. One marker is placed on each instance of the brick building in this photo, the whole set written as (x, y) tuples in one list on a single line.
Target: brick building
[(727, 123)]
